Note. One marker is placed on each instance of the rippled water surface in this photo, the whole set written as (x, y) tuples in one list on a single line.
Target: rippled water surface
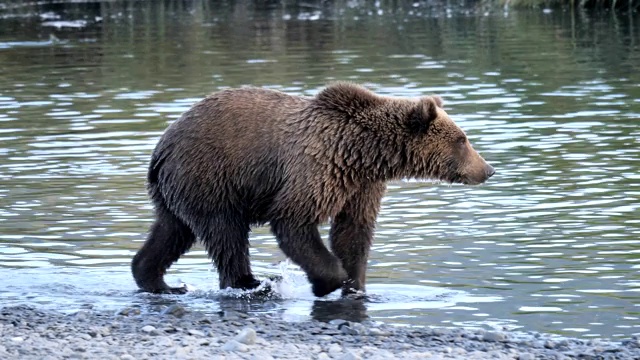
[(550, 98)]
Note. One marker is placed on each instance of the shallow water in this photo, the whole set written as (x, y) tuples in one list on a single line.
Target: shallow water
[(551, 99)]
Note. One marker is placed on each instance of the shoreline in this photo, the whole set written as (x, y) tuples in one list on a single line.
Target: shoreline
[(176, 333)]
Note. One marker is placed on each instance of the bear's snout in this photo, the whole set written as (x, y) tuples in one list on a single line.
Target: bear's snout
[(489, 170), (479, 173)]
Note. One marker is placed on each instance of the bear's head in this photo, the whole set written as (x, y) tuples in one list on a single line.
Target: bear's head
[(439, 149), (400, 137)]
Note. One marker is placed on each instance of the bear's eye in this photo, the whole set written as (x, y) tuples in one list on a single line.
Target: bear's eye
[(462, 140)]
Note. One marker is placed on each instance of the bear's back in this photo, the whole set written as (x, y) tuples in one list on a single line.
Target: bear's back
[(227, 148)]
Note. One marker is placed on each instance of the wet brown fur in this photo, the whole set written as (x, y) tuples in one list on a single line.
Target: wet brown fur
[(250, 156)]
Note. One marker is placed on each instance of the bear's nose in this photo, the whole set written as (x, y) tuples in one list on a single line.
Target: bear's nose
[(490, 171)]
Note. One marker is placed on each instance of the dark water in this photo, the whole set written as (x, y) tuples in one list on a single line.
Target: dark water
[(550, 98)]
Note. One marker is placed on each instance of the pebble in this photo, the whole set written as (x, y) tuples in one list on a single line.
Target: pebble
[(347, 330), (129, 311), (163, 341), (170, 330), (148, 329), (247, 336), (81, 315), (27, 333), (634, 342), (180, 353), (494, 336), (175, 310), (377, 332), (350, 355), (290, 348), (195, 332), (334, 349), (203, 342), (526, 356), (233, 345), (261, 355)]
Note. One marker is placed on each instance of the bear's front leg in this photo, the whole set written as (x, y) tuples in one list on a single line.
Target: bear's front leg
[(303, 245), (352, 233)]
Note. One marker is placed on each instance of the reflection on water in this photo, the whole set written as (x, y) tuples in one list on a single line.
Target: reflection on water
[(551, 243)]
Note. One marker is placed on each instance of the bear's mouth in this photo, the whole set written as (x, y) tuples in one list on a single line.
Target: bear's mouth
[(464, 180), (469, 180), (456, 179)]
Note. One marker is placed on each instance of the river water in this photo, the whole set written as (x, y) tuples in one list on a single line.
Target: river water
[(551, 98)]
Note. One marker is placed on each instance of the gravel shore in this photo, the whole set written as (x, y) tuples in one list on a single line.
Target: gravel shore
[(176, 333)]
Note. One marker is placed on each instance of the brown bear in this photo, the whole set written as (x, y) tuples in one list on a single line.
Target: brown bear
[(252, 156)]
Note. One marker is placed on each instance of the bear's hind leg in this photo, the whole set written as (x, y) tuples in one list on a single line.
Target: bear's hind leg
[(226, 238), (168, 239), (303, 245)]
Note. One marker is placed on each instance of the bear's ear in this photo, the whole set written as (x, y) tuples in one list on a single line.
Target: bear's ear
[(423, 114), (438, 100), (347, 97)]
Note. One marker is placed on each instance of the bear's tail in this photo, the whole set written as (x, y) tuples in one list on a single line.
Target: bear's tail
[(153, 177)]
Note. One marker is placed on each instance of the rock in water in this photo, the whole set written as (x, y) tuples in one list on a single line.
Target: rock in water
[(247, 336), (175, 310)]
